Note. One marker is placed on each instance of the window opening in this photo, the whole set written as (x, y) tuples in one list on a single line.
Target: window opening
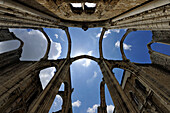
[(134, 98), (90, 5), (89, 8), (76, 5), (57, 105), (140, 86), (76, 8), (46, 75), (161, 48)]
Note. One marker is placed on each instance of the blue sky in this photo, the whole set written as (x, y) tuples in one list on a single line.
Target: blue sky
[(85, 74)]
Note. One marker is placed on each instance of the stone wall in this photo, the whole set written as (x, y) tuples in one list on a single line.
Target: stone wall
[(144, 98), (20, 84), (160, 59), (161, 36)]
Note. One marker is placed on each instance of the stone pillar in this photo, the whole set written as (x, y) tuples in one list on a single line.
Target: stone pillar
[(45, 100), (102, 107), (67, 104), (120, 100)]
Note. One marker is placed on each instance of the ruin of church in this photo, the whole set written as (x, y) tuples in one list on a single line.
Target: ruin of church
[(145, 88)]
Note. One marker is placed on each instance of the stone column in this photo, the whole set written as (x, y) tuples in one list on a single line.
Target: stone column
[(120, 100), (45, 100), (67, 104), (102, 107)]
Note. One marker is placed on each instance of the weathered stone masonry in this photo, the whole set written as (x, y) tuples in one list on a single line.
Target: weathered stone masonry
[(144, 88)]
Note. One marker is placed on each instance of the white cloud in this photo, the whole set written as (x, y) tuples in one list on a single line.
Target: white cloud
[(90, 53), (35, 45), (116, 30), (110, 108), (107, 32), (95, 74), (56, 36), (93, 77), (62, 38), (117, 44), (125, 46), (55, 51), (59, 99), (98, 35), (76, 103), (87, 61), (93, 109), (46, 75), (62, 35)]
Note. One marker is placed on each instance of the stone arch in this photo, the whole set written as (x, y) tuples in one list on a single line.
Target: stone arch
[(100, 42), (69, 41), (125, 65), (121, 43), (84, 56)]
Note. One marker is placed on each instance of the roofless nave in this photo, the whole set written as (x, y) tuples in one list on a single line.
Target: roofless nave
[(145, 87)]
